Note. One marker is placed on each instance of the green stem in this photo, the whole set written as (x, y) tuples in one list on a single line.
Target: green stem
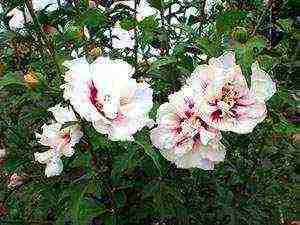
[(135, 34), (42, 35)]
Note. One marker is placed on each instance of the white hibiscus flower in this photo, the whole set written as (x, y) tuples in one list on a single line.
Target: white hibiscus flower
[(228, 103), (59, 140), (143, 8), (104, 93), (183, 137), (61, 143)]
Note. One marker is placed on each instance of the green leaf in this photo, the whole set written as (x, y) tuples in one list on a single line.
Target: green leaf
[(120, 198), (124, 162), (285, 25), (11, 78), (229, 19), (257, 44), (94, 18), (142, 139), (11, 165), (88, 210), (127, 23), (111, 220), (149, 23), (164, 61), (157, 4), (247, 53)]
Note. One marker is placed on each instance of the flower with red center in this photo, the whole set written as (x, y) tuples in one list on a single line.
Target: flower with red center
[(226, 101), (61, 141), (183, 137), (104, 93)]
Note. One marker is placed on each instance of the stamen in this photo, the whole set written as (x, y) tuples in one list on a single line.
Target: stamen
[(189, 102), (177, 130), (196, 137), (188, 114)]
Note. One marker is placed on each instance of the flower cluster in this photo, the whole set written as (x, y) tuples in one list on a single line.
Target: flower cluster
[(216, 97), (188, 127)]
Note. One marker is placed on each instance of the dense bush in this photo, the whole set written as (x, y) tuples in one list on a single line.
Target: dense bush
[(130, 182)]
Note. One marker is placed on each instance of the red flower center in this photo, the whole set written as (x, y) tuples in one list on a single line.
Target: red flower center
[(93, 97), (67, 137), (216, 116)]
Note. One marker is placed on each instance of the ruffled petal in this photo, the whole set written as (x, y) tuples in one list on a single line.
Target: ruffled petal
[(50, 135), (51, 5), (224, 62), (200, 78), (43, 157), (125, 128), (18, 19), (248, 118), (136, 99), (68, 150), (54, 168), (162, 138), (261, 84), (122, 38), (63, 114), (79, 70)]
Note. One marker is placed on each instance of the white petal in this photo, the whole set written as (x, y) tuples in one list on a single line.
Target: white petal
[(50, 135), (122, 38), (206, 136), (51, 5), (124, 129), (2, 153), (209, 5), (63, 114), (54, 168), (18, 20), (262, 84), (80, 67), (76, 135), (43, 157)]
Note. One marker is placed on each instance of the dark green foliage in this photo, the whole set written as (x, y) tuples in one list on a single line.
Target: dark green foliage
[(130, 183)]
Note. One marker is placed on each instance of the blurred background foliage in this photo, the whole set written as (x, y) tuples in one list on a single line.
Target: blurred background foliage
[(130, 183)]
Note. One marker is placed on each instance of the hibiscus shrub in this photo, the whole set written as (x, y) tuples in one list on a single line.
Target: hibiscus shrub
[(148, 112)]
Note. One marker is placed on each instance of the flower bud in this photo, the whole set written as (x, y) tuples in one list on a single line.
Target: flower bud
[(15, 180), (240, 34), (2, 68), (31, 78), (95, 51)]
